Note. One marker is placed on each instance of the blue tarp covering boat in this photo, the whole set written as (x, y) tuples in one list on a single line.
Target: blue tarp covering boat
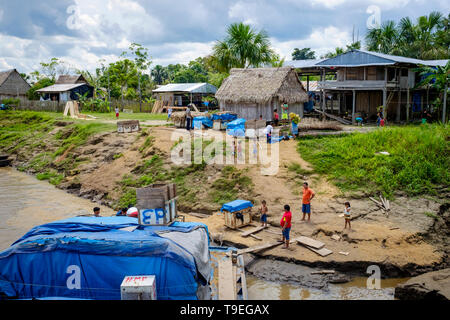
[(99, 252), (236, 205)]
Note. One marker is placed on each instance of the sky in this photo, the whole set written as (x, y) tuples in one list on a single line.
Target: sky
[(84, 32)]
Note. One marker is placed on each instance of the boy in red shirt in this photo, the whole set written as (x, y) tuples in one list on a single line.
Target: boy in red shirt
[(285, 224)]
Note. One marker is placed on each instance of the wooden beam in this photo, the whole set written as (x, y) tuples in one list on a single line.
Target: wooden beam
[(227, 280), (310, 242), (321, 252), (354, 107), (255, 237), (259, 248), (250, 232), (408, 105), (397, 117)]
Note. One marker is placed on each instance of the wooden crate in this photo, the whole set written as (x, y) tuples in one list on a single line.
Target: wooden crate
[(234, 223)]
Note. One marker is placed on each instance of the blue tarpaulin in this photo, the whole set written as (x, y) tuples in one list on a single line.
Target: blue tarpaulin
[(49, 259), (236, 205), (224, 117), (205, 121), (236, 128)]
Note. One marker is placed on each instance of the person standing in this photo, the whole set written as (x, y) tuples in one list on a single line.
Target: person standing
[(286, 225), (188, 119), (169, 113), (347, 215), (268, 131), (117, 113), (308, 195), (263, 210), (276, 117)]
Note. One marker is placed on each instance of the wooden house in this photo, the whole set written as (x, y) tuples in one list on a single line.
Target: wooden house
[(12, 85), (251, 93), (360, 83), (67, 88)]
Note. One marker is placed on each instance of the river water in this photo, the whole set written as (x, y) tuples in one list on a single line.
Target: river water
[(26, 202)]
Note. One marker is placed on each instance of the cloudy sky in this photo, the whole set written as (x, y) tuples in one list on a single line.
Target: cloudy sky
[(81, 32)]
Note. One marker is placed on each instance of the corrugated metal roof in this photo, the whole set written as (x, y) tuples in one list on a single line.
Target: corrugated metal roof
[(187, 87), (303, 63), (60, 87), (360, 58)]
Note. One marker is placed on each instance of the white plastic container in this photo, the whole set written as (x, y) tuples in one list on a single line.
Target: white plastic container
[(138, 288)]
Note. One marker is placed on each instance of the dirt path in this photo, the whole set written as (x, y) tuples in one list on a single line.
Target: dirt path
[(393, 242)]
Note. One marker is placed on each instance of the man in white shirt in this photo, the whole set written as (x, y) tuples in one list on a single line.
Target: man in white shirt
[(268, 131)]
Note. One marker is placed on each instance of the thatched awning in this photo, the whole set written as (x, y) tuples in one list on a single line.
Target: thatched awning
[(260, 85)]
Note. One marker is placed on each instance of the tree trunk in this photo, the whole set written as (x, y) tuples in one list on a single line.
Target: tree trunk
[(444, 106)]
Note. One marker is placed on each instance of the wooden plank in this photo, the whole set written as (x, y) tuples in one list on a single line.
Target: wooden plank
[(227, 280), (323, 272), (250, 232), (241, 271), (199, 215), (256, 237), (321, 252), (344, 253), (260, 247), (310, 242)]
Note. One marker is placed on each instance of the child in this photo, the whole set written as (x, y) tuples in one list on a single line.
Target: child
[(285, 224), (347, 215), (263, 210), (117, 113), (96, 212)]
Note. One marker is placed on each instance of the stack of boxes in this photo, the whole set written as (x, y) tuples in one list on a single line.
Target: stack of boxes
[(157, 204)]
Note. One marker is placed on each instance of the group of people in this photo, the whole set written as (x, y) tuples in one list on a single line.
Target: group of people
[(286, 219), (129, 211)]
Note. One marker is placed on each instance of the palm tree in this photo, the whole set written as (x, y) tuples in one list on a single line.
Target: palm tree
[(438, 78), (242, 48), (384, 39), (159, 74)]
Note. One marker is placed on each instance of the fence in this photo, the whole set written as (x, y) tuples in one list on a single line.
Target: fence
[(58, 106)]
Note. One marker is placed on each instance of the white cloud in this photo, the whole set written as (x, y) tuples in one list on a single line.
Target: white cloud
[(321, 40), (5, 65)]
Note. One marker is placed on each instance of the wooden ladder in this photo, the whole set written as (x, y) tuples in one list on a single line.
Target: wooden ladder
[(232, 280)]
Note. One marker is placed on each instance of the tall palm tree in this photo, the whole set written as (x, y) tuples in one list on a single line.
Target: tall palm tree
[(383, 39), (243, 47), (159, 74)]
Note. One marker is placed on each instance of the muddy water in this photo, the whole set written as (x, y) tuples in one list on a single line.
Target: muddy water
[(354, 290), (26, 202)]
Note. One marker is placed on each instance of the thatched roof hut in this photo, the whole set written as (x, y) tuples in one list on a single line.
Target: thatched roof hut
[(12, 84), (254, 92)]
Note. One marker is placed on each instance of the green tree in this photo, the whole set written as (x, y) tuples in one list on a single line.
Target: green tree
[(159, 74), (303, 54), (122, 74), (44, 82), (438, 78), (243, 47)]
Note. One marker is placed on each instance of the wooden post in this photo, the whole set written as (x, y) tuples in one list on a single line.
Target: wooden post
[(397, 117), (307, 83), (444, 107), (384, 102), (354, 107), (407, 106)]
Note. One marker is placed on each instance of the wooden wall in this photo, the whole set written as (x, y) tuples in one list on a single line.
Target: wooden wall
[(253, 111)]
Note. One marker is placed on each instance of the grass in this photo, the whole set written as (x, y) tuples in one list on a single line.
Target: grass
[(52, 177), (229, 185), (128, 116), (418, 162)]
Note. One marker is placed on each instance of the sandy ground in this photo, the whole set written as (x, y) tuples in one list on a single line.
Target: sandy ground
[(397, 241)]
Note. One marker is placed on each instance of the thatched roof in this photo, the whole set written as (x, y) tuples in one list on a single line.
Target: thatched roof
[(67, 79), (4, 75), (260, 85)]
